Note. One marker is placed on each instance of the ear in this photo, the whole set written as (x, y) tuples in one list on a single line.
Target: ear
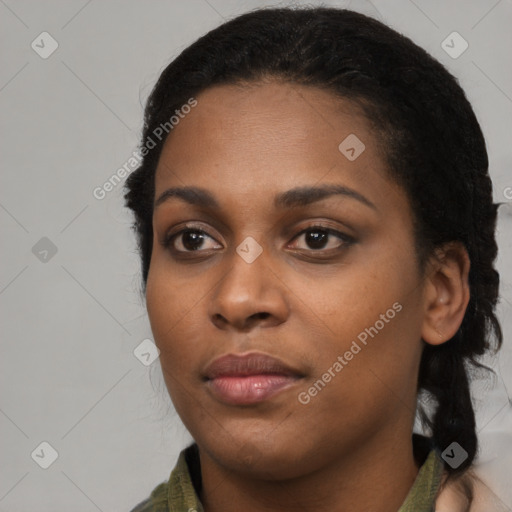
[(446, 293)]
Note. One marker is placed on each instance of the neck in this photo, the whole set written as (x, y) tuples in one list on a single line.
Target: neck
[(376, 476)]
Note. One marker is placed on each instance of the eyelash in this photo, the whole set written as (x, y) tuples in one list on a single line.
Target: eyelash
[(347, 240)]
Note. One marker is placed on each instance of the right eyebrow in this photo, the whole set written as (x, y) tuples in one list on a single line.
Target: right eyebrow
[(193, 195)]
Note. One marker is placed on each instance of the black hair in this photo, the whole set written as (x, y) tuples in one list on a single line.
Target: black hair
[(430, 138)]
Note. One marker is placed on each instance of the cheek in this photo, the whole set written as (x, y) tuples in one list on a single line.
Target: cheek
[(356, 295), (369, 313), (168, 306), (170, 298), (177, 314), (161, 305), (167, 310), (365, 373)]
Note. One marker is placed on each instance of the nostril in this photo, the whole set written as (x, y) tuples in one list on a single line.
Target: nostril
[(261, 316)]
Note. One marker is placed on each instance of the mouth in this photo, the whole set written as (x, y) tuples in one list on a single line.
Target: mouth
[(248, 379)]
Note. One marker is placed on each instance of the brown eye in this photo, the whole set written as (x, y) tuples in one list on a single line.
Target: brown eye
[(318, 238), (190, 240)]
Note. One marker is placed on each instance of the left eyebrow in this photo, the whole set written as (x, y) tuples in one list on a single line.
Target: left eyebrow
[(293, 198), (302, 196)]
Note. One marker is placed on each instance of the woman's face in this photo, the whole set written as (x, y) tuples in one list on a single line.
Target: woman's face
[(273, 265)]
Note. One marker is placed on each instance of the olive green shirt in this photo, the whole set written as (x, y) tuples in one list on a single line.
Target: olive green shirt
[(180, 492)]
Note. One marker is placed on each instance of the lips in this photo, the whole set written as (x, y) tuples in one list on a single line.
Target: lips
[(249, 378)]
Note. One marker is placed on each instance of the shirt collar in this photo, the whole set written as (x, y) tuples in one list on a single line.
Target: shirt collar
[(181, 491), (422, 496)]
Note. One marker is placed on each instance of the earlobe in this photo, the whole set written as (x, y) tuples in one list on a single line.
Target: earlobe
[(446, 293)]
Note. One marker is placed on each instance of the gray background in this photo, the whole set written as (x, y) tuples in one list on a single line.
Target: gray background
[(71, 322)]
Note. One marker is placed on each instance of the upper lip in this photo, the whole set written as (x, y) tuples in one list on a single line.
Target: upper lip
[(243, 365)]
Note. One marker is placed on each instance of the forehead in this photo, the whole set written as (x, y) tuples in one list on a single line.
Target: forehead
[(265, 138)]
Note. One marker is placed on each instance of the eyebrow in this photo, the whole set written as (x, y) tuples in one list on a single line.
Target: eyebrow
[(295, 197)]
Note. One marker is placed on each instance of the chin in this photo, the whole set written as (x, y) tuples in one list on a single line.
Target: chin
[(259, 456)]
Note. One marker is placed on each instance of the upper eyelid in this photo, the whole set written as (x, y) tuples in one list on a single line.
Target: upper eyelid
[(331, 231), (317, 224), (172, 234)]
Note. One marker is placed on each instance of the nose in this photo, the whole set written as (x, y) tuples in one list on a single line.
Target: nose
[(249, 295)]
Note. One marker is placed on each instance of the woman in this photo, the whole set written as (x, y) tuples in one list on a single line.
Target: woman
[(316, 227)]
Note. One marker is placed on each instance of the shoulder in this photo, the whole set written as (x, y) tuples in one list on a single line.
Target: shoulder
[(143, 506), (179, 491), (467, 493), (157, 501)]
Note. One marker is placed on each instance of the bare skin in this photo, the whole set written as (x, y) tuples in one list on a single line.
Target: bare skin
[(349, 447)]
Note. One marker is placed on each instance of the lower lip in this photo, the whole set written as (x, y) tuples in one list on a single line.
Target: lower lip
[(248, 390)]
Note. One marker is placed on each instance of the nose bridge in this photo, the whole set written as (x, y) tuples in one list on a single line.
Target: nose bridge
[(249, 291)]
